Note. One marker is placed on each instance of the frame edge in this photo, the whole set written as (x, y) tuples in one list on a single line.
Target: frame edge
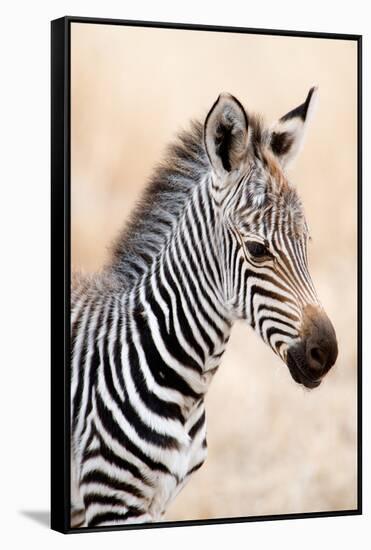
[(59, 520)]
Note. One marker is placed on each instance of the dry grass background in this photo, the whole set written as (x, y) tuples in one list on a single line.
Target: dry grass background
[(273, 446)]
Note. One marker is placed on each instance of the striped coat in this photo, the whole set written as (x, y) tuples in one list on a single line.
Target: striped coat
[(219, 235)]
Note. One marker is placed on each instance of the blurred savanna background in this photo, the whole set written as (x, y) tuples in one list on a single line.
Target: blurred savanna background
[(274, 447)]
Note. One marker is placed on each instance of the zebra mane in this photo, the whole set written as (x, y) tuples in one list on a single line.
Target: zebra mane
[(160, 206)]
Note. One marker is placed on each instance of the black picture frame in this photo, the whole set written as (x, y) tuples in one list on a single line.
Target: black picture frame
[(61, 266)]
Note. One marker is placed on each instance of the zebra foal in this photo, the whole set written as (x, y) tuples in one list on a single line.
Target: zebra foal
[(220, 235)]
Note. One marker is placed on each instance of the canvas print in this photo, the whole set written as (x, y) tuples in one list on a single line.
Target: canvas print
[(213, 313)]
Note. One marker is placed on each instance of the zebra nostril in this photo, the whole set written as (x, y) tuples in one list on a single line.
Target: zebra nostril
[(319, 339), (317, 358)]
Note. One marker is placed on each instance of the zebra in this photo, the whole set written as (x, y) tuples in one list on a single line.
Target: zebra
[(218, 236)]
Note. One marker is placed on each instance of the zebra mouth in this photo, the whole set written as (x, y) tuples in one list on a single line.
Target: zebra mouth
[(298, 370)]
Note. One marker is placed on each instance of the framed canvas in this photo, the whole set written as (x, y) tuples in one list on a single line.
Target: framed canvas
[(206, 274)]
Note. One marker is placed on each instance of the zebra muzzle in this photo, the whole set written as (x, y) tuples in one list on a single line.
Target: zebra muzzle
[(316, 352)]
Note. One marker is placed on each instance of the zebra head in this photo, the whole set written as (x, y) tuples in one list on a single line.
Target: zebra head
[(264, 234)]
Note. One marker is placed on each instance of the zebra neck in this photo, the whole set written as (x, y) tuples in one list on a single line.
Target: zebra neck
[(181, 353), (177, 306)]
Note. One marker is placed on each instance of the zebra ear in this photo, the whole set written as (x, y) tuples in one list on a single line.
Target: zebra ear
[(225, 134), (288, 133)]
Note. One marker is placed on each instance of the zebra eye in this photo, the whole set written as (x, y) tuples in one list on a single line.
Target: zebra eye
[(258, 250)]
